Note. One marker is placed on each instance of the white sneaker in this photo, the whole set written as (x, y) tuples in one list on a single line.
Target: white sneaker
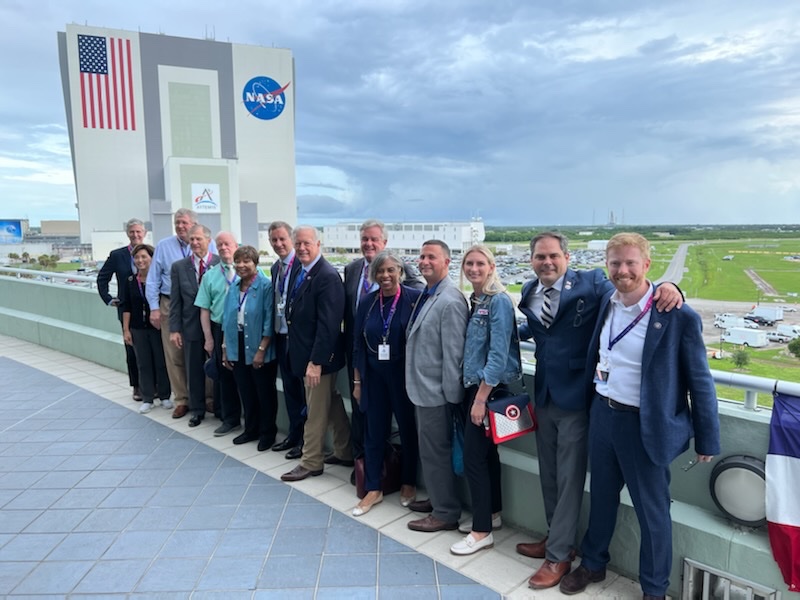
[(167, 403), (469, 545), (466, 526), (145, 408)]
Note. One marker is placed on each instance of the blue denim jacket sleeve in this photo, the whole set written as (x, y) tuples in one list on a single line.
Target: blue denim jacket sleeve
[(491, 352), (501, 329)]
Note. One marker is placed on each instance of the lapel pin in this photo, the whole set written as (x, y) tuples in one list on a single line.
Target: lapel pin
[(657, 325)]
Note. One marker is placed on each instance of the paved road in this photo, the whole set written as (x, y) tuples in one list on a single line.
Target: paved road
[(676, 267)]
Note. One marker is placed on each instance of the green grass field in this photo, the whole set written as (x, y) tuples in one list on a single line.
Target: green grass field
[(771, 364)]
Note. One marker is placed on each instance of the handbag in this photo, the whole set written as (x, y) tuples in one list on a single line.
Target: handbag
[(391, 474), (510, 415)]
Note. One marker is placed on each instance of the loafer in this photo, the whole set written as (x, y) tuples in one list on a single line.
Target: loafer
[(294, 453), (332, 459), (283, 445), (225, 429), (299, 473), (533, 549), (549, 575), (363, 509), (195, 420), (244, 438), (579, 579), (430, 524), (469, 545), (265, 444), (466, 526), (180, 411), (405, 501), (422, 506)]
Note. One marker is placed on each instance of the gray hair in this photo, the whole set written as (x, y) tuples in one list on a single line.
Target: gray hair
[(206, 231), (382, 257), (310, 228), (562, 240), (186, 212), (221, 233), (374, 223), (132, 222), (280, 225)]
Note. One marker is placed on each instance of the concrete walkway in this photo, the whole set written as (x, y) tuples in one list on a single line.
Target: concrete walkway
[(99, 501)]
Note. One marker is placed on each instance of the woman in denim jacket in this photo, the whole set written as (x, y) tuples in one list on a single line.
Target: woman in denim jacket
[(491, 359), (247, 327)]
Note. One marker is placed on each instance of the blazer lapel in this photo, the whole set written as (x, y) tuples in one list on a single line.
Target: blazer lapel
[(655, 331)]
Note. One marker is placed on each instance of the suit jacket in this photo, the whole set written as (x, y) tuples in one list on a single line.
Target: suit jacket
[(674, 366), (435, 348), (118, 263), (561, 372), (184, 316), (352, 276), (296, 267), (314, 316)]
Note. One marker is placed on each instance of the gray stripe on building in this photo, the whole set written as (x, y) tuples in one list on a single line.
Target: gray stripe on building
[(63, 63)]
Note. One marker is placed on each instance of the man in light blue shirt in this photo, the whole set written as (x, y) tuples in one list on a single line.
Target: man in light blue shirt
[(158, 289)]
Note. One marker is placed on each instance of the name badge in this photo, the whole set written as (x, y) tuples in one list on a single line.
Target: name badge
[(483, 312), (281, 308), (383, 352), (600, 373)]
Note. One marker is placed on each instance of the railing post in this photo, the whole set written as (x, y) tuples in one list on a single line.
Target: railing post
[(751, 400)]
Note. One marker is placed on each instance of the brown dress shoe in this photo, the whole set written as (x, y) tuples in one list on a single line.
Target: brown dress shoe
[(579, 579), (423, 506), (430, 524), (299, 473), (549, 575), (533, 549), (180, 411)]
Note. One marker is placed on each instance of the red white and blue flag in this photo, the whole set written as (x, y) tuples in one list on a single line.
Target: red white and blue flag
[(106, 70), (783, 488)]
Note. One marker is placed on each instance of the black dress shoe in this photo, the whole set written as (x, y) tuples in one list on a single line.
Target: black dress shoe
[(195, 420), (265, 444), (244, 438), (353, 477), (294, 453), (423, 506), (332, 459), (283, 445)]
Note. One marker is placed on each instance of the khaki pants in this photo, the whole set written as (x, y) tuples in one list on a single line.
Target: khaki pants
[(325, 407), (173, 357)]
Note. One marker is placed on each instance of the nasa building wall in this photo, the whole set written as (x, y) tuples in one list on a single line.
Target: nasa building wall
[(211, 124)]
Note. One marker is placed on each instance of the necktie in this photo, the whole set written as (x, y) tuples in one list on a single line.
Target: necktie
[(547, 308), (299, 281), (201, 271), (365, 286), (281, 277)]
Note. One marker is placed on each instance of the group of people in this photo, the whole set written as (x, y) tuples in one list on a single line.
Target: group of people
[(621, 378)]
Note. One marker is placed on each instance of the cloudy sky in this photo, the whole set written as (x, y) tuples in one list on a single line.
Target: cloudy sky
[(518, 112)]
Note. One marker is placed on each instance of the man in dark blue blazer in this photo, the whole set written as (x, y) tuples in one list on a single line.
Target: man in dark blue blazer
[(316, 352), (284, 274), (562, 389), (646, 367), (119, 264)]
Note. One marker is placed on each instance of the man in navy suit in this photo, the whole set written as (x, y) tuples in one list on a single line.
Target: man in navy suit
[(284, 274), (120, 264), (316, 352), (561, 308), (646, 366)]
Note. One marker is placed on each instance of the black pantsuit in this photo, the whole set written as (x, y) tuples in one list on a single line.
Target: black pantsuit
[(226, 395), (152, 370), (294, 394), (482, 468)]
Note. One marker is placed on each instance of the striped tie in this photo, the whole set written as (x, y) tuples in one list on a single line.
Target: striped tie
[(547, 309)]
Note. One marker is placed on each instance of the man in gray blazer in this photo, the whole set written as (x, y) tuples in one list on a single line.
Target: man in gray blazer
[(185, 329), (434, 350)]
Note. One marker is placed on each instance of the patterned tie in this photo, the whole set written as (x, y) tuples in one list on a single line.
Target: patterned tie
[(546, 316)]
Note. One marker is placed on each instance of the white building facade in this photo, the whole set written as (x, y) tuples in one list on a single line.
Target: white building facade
[(158, 123), (406, 238)]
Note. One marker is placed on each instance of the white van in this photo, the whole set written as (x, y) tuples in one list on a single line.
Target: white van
[(745, 337), (792, 331)]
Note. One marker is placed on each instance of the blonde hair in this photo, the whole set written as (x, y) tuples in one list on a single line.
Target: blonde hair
[(493, 284), (630, 239)]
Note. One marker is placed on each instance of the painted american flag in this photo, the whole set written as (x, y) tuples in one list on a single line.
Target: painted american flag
[(106, 82)]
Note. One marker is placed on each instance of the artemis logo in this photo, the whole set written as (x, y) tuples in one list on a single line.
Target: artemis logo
[(264, 98)]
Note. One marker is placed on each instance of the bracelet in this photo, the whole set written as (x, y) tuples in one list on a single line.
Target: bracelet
[(356, 381), (223, 346), (260, 349)]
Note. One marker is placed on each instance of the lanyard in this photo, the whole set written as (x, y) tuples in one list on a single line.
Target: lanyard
[(184, 248), (631, 325), (387, 321), (225, 275), (242, 296), (133, 264), (141, 288), (286, 270)]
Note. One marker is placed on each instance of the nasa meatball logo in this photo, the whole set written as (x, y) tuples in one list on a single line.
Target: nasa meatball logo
[(264, 98)]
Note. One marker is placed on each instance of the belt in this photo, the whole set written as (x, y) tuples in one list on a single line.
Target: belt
[(164, 295), (618, 405)]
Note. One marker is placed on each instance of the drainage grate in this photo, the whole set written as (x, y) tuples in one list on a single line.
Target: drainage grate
[(701, 582)]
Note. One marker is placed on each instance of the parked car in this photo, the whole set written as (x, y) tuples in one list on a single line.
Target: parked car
[(775, 336), (750, 324), (760, 320)]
